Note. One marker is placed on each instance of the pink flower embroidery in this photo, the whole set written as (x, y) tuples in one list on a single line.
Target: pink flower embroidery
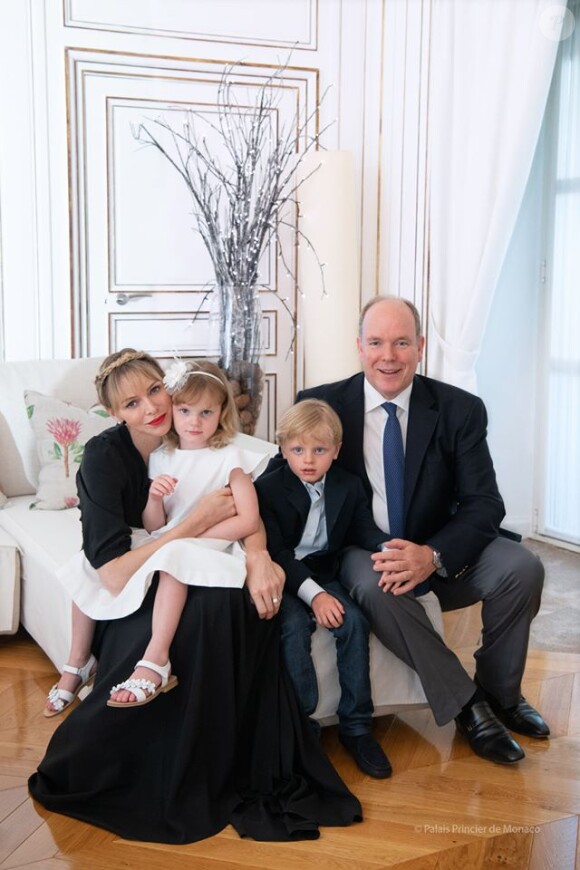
[(65, 432)]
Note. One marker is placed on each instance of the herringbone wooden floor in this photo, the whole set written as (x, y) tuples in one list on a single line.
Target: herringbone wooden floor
[(443, 808)]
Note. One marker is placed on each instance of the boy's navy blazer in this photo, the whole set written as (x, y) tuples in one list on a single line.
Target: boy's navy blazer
[(284, 507)]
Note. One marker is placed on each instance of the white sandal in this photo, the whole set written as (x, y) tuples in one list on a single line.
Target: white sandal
[(62, 698), (145, 690)]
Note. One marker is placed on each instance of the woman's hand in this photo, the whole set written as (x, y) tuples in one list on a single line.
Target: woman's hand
[(265, 582), (213, 508)]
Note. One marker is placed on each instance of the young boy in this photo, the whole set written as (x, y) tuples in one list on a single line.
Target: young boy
[(311, 511)]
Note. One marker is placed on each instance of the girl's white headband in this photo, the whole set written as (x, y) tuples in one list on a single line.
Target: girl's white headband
[(178, 373)]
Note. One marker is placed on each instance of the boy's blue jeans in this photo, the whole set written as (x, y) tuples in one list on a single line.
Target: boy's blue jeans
[(355, 709)]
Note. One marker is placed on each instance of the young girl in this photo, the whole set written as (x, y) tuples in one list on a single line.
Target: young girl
[(196, 458)]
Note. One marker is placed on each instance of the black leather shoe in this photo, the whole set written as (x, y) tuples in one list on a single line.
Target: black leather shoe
[(523, 718), (368, 755), (487, 736)]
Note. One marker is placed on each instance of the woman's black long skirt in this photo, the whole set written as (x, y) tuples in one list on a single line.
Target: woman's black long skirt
[(229, 745)]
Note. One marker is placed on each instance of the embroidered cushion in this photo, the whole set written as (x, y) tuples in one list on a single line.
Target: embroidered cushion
[(61, 431)]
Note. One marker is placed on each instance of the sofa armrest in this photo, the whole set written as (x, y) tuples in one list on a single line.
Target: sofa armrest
[(9, 584)]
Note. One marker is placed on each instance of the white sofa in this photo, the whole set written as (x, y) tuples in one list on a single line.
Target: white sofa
[(33, 543)]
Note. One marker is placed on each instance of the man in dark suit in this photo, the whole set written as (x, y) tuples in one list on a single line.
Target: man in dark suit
[(311, 510), (448, 536)]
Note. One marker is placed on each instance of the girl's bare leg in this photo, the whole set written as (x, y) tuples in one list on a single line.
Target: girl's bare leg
[(167, 609), (83, 630)]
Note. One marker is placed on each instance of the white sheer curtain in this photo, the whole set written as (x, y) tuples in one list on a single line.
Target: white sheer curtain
[(560, 517), (491, 67)]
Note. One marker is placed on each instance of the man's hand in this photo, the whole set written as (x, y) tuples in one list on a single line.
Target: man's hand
[(403, 566), (265, 582), (328, 610)]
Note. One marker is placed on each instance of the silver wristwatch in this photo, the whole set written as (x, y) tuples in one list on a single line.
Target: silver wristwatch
[(437, 561)]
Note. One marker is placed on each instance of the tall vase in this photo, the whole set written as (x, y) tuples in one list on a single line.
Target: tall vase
[(247, 382), (239, 319)]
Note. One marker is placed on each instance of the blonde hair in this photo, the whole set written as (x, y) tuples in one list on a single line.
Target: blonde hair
[(305, 418), (203, 376), (119, 365)]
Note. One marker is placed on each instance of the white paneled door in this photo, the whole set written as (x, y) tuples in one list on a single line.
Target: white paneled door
[(141, 271)]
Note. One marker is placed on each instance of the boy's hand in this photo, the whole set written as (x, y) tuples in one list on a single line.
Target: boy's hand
[(162, 485), (328, 610)]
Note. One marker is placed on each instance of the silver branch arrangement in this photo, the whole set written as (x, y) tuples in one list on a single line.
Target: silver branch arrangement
[(242, 196)]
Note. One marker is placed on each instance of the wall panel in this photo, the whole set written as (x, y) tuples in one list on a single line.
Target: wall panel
[(117, 225), (261, 22), (134, 240)]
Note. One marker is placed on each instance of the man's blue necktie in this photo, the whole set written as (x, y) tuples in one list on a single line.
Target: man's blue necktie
[(394, 469)]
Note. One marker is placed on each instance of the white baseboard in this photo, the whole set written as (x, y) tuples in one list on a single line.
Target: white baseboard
[(521, 525), (555, 542)]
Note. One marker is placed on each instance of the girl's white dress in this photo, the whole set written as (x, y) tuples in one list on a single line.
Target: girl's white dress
[(193, 561)]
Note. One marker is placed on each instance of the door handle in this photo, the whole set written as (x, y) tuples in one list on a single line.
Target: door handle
[(124, 298)]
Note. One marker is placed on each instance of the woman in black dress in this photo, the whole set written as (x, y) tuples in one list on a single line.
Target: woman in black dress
[(229, 744)]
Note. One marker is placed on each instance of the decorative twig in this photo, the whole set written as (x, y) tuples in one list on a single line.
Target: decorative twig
[(239, 208)]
